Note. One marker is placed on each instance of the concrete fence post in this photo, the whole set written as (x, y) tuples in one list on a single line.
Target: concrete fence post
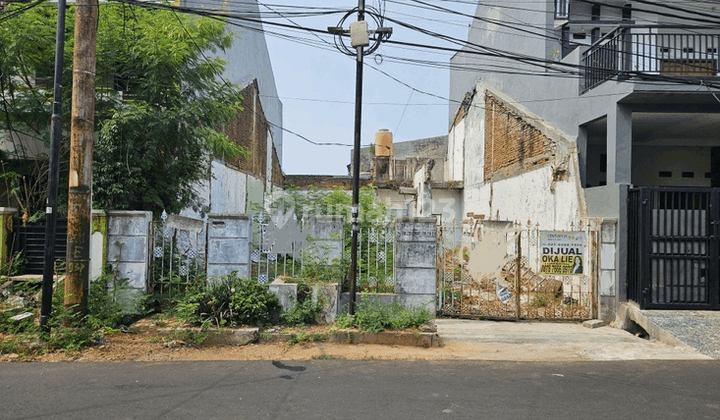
[(128, 249), (98, 244), (228, 245), (416, 261)]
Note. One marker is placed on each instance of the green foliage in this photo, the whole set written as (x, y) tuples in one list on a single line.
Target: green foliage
[(159, 101), (374, 316), (153, 147), (228, 301), (69, 329), (109, 304), (344, 320), (336, 201), (316, 269), (304, 310), (13, 266), (253, 303), (372, 213), (303, 336), (187, 336)]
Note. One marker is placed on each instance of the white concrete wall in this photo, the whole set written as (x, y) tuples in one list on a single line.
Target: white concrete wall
[(255, 194), (396, 203), (423, 204), (129, 246), (529, 195), (454, 165), (228, 190)]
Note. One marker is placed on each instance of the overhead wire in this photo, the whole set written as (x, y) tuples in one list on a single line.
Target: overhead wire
[(547, 68), (468, 47)]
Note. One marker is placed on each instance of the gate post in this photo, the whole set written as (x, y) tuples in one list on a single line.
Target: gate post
[(6, 228), (98, 244), (646, 221), (228, 245), (416, 261), (129, 242)]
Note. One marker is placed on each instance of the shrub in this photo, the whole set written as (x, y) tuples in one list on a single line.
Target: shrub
[(374, 316), (304, 310), (107, 306), (235, 300)]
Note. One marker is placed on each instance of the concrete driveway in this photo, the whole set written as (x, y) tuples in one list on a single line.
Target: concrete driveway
[(552, 341)]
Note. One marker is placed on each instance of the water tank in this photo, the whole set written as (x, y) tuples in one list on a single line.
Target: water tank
[(384, 142)]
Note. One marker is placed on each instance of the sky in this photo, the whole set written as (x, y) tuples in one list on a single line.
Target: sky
[(317, 83)]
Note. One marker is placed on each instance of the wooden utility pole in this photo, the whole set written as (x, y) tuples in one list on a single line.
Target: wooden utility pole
[(82, 132)]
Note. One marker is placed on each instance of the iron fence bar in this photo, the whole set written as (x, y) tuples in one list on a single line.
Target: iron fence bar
[(385, 260), (359, 266), (172, 253), (713, 265), (369, 238)]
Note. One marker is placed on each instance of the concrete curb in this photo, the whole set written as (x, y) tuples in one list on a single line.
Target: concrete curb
[(245, 336), (629, 312), (387, 338), (222, 337)]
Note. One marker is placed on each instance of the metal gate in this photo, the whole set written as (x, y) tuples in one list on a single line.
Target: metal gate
[(508, 282), (673, 248), (30, 242)]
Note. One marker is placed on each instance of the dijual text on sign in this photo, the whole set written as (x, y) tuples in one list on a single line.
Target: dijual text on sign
[(562, 252)]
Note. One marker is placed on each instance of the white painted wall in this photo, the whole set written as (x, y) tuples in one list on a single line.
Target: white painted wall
[(456, 148), (530, 195), (423, 204), (228, 190)]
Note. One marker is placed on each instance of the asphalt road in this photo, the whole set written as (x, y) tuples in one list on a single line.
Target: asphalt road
[(337, 389)]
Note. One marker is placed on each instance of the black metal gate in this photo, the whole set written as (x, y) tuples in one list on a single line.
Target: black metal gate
[(673, 248), (30, 242)]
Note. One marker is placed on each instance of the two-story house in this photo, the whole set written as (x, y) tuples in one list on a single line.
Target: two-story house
[(636, 85)]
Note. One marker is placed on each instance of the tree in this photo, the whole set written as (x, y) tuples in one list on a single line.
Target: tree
[(159, 98)]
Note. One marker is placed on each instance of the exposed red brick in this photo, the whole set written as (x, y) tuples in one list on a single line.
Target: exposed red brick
[(512, 144)]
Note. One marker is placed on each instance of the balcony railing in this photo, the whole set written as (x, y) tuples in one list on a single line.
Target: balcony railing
[(651, 51), (562, 9)]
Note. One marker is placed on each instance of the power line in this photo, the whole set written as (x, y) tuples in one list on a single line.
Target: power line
[(227, 83)]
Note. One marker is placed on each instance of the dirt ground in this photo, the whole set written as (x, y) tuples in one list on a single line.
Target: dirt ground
[(495, 341), (144, 343), (138, 348)]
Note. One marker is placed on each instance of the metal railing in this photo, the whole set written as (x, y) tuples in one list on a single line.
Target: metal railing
[(302, 257), (665, 51), (270, 260), (376, 259), (178, 253)]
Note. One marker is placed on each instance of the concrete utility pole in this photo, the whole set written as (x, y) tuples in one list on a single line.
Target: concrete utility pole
[(82, 132), (359, 39), (53, 170)]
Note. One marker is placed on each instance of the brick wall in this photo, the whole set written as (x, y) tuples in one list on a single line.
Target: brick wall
[(512, 144), (250, 130), (277, 174), (322, 181)]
